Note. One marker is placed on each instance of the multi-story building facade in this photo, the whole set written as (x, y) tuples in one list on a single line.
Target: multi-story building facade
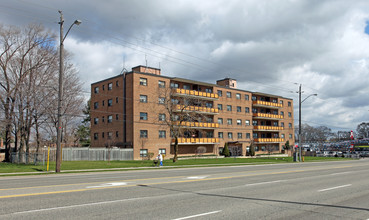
[(144, 110)]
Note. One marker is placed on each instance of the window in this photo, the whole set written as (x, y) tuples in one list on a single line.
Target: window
[(239, 122), (110, 118), (289, 103), (229, 95), (117, 83), (220, 93), (161, 84), (229, 108), (96, 136), (229, 121), (117, 132), (161, 100), (254, 123), (220, 107), (116, 99), (246, 97), (254, 110), (282, 124), (162, 134), (282, 136), (103, 135), (96, 105), (247, 135), (247, 122), (96, 121), (247, 109), (143, 133), (143, 81), (253, 98), (110, 86), (209, 90), (187, 87), (116, 117), (230, 135), (289, 114), (239, 135), (143, 116), (173, 85), (163, 151), (161, 117), (143, 152), (110, 102), (282, 113), (103, 87), (255, 135), (290, 136), (209, 105), (238, 96), (220, 134), (103, 103), (96, 90), (238, 108), (220, 121), (110, 135), (289, 125), (103, 119), (281, 102), (143, 98)]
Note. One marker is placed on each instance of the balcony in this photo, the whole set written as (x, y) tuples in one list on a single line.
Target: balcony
[(267, 116), (197, 109), (198, 125), (184, 141), (268, 128), (266, 104), (268, 140), (195, 94)]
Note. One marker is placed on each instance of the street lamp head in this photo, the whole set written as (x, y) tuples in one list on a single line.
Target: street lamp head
[(77, 22), (315, 94)]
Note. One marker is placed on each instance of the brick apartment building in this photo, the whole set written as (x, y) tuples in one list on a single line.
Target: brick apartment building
[(131, 110)]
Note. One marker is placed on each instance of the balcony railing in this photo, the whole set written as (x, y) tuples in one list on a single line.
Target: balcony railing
[(271, 104), (197, 124), (194, 93), (197, 140), (268, 128), (266, 115), (268, 140), (197, 109)]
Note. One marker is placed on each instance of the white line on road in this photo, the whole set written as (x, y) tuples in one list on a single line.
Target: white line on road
[(336, 187), (333, 174), (261, 183), (194, 216)]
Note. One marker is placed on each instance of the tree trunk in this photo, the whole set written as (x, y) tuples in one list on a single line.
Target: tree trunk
[(175, 158)]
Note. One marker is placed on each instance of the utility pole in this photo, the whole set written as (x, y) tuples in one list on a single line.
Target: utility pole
[(300, 151), (60, 94)]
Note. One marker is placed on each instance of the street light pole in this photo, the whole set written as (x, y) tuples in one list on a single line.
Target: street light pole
[(300, 102), (60, 94)]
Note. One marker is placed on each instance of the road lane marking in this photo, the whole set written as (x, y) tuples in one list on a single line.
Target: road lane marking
[(348, 172), (261, 183), (336, 187), (196, 177), (198, 215), (108, 185)]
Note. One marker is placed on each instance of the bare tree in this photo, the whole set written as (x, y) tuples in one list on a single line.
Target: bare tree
[(363, 130), (22, 52), (181, 112)]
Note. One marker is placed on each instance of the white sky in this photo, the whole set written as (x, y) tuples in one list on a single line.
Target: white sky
[(269, 46)]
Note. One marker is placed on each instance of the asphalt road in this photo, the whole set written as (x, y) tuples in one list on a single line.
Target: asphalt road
[(322, 190)]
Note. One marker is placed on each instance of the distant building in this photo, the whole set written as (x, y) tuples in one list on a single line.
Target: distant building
[(129, 110)]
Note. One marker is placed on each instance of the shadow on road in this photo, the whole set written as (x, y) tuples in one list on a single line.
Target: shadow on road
[(259, 199)]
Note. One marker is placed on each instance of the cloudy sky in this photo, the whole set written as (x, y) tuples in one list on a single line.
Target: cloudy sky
[(269, 46)]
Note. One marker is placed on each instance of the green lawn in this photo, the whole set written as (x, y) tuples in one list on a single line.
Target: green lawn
[(84, 165)]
